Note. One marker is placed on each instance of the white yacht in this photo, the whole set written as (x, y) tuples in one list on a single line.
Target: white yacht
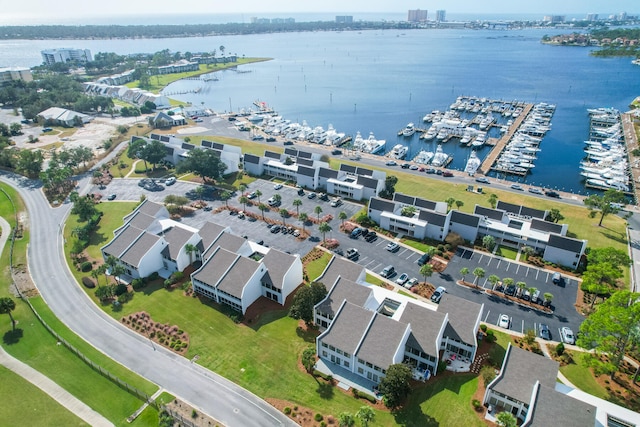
[(472, 164), (372, 145), (409, 130), (424, 157), (440, 158), (399, 152)]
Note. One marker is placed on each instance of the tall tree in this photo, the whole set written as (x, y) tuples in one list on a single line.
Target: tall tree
[(493, 279), (342, 216), (225, 196), (463, 272), (426, 270), (395, 385), (284, 214), (346, 419), (479, 273), (190, 250), (309, 358), (609, 329), (554, 215), (297, 203), (136, 150), (303, 218), (258, 194), (489, 242), (7, 305), (449, 201), (493, 200), (154, 152), (606, 204), (263, 208), (244, 200), (324, 228), (318, 210), (204, 163), (366, 415), (304, 300)]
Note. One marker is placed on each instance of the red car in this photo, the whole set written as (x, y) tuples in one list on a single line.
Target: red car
[(447, 174)]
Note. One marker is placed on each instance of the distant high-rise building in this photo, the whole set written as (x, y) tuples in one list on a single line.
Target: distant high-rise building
[(622, 16), (592, 17), (11, 74), (554, 19), (51, 56), (441, 15), (417, 16), (344, 19)]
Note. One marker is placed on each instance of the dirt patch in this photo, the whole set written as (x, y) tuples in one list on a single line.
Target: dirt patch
[(301, 415), (185, 414), (23, 281)]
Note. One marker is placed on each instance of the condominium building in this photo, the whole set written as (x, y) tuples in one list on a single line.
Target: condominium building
[(417, 15), (8, 75), (52, 56)]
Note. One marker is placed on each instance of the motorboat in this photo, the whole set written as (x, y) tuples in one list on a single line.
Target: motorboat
[(440, 158), (372, 145), (424, 157), (409, 130), (399, 151), (472, 164)]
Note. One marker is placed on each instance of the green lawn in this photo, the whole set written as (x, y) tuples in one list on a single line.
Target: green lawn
[(315, 268), (374, 280), (25, 404), (580, 375), (506, 252), (499, 349), (420, 246), (407, 294), (442, 402)]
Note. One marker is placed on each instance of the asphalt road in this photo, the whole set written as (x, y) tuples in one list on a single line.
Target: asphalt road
[(207, 391)]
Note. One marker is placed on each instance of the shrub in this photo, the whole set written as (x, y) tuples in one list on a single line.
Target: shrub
[(483, 327), (442, 366), (168, 283), (559, 349), (476, 404), (287, 410), (318, 417), (121, 288), (323, 424), (126, 297), (154, 275), (138, 284), (488, 374), (87, 282), (491, 337), (86, 266), (194, 413)]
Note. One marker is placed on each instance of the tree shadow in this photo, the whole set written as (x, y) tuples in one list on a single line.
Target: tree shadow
[(620, 238), (412, 415), (13, 336), (307, 335), (325, 390)]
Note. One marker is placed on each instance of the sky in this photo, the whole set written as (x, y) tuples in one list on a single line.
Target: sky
[(67, 11)]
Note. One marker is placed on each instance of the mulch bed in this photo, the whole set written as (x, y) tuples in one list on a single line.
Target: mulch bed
[(169, 336)]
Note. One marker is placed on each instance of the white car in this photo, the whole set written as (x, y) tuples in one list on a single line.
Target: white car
[(170, 181), (277, 186), (404, 277), (567, 335), (517, 187), (504, 321), (411, 283), (437, 294), (392, 247)]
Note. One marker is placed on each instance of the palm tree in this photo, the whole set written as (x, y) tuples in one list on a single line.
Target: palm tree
[(303, 218), (262, 207), (426, 270), (366, 415), (342, 216), (258, 194), (346, 419), (190, 250), (277, 198), (459, 204), (450, 201), (297, 203), (7, 305), (242, 187), (521, 286), (284, 214), (318, 210), (225, 195), (479, 273), (532, 290), (95, 273), (493, 279), (244, 200), (493, 200), (463, 272), (507, 281), (117, 271), (324, 228)]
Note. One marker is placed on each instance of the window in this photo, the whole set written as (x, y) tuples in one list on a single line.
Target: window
[(324, 354), (360, 370), (324, 344), (346, 363)]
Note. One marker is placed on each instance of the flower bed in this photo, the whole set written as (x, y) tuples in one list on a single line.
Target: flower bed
[(169, 336)]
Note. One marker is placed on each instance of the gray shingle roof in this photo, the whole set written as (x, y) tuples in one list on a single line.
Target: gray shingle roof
[(278, 264), (342, 267), (426, 204), (552, 406), (403, 198), (381, 341), (364, 171), (238, 275), (303, 170), (348, 327), (140, 247), (565, 243), (141, 220), (347, 168), (465, 219), (305, 154), (488, 212), (425, 326), (328, 173), (209, 232), (176, 238), (206, 143), (463, 315), (343, 289), (383, 205), (215, 267), (122, 241), (150, 208), (272, 155), (226, 240), (250, 158), (367, 182), (521, 370), (550, 227), (433, 218)]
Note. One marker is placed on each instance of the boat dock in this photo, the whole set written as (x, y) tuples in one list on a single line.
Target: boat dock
[(491, 158), (631, 142)]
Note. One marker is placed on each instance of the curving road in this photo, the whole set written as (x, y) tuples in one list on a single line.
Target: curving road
[(222, 399)]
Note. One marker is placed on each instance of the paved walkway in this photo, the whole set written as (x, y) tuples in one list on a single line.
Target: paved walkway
[(59, 394)]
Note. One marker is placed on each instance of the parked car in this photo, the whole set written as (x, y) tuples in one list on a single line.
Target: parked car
[(391, 163), (411, 283), (552, 194), (517, 187), (336, 202), (252, 195), (273, 202), (544, 332), (257, 137), (437, 294), (241, 215), (567, 335), (404, 278), (111, 197), (535, 296), (447, 174), (535, 190), (287, 143), (510, 290), (323, 196), (371, 236), (392, 247), (352, 253), (356, 233), (483, 180), (430, 171), (388, 271), (405, 166), (556, 278), (414, 167), (271, 139), (336, 152), (170, 181), (275, 229), (300, 192), (423, 259), (207, 208), (311, 196), (504, 321), (277, 186), (526, 295)]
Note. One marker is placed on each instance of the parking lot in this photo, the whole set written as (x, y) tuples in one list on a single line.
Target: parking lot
[(373, 255)]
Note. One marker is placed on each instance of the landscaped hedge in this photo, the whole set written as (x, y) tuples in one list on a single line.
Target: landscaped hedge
[(86, 266)]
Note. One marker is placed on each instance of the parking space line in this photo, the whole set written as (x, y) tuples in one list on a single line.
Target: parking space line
[(487, 316), (517, 268), (498, 265), (484, 283), (522, 328), (405, 250), (369, 263), (410, 255)]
